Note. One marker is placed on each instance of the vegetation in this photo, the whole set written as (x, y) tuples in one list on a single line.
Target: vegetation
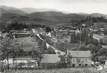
[(17, 21), (11, 49), (6, 48), (50, 18)]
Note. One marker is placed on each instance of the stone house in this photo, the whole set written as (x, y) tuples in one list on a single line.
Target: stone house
[(80, 58)]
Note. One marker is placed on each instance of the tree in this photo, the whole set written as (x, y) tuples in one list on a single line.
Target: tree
[(48, 29), (9, 48), (65, 60), (96, 51), (62, 62), (4, 47), (83, 48)]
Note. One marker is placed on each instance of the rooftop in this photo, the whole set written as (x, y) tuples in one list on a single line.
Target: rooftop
[(80, 53), (50, 58)]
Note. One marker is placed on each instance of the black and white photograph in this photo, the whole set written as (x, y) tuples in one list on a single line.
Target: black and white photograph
[(53, 36)]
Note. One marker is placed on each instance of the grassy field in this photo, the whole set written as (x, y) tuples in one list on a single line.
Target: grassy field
[(70, 70)]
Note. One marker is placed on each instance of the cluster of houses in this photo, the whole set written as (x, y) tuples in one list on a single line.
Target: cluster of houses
[(77, 59)]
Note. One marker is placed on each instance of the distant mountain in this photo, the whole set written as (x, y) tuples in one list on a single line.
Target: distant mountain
[(5, 9), (33, 10), (45, 16), (9, 15), (48, 16), (54, 17), (96, 15)]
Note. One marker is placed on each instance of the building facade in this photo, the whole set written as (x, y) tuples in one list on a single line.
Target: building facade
[(80, 58)]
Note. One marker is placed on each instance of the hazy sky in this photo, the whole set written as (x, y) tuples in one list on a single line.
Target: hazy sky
[(78, 6)]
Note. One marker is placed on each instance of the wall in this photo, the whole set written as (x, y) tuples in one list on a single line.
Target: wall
[(80, 62)]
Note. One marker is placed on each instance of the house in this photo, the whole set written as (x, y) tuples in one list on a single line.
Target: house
[(98, 37), (104, 46), (49, 61), (3, 35), (19, 34), (24, 62), (105, 65), (21, 62), (0, 33), (104, 40), (80, 58)]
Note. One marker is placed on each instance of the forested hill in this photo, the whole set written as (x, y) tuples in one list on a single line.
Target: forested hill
[(9, 15)]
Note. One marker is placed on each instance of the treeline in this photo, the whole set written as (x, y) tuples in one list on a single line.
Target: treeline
[(89, 20), (11, 49), (94, 19), (19, 26)]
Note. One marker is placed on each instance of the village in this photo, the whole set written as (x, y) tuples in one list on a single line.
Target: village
[(46, 48), (53, 36)]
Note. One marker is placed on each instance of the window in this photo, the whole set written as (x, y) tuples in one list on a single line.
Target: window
[(78, 60), (73, 65), (86, 65), (80, 65), (86, 59)]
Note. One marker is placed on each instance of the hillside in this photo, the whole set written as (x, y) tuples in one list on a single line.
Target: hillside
[(33, 10), (5, 9), (10, 15)]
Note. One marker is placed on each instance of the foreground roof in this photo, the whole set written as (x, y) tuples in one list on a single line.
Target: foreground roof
[(50, 58), (80, 53)]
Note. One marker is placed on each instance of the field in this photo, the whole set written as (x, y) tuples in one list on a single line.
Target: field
[(70, 70)]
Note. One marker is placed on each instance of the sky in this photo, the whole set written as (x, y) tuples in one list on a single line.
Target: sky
[(68, 6)]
